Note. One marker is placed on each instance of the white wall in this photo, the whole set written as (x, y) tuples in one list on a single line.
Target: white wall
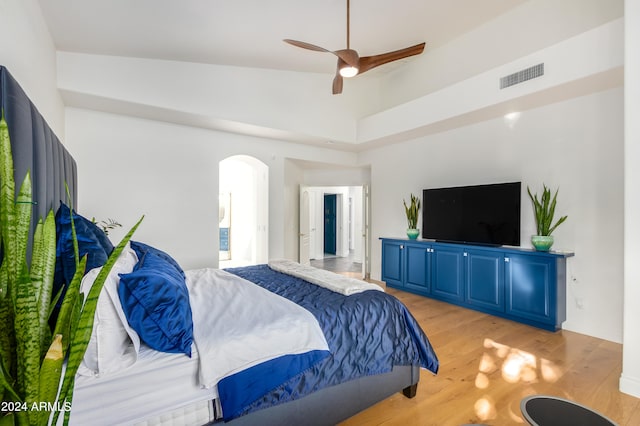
[(630, 379), (27, 51), (532, 26), (576, 145), (129, 166), (589, 62), (231, 98)]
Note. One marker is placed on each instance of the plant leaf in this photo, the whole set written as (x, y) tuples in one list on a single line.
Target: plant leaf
[(545, 211), (82, 335), (27, 341), (69, 303), (50, 373)]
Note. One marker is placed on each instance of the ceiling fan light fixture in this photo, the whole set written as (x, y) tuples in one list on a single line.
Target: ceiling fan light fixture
[(348, 71)]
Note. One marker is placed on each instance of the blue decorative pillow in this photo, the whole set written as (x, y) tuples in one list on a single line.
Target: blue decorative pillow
[(155, 301), (92, 241), (143, 249)]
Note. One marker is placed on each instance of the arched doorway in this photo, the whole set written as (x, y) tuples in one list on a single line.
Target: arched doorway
[(243, 211)]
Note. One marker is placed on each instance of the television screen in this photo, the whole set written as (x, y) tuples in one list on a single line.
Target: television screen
[(479, 214)]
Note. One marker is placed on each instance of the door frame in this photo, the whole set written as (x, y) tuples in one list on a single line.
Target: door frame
[(316, 231)]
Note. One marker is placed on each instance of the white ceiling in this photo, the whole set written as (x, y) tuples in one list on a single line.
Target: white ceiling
[(249, 32)]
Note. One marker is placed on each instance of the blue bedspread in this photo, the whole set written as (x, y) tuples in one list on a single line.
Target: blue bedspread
[(367, 333)]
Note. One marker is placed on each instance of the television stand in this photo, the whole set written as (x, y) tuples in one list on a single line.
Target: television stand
[(517, 283)]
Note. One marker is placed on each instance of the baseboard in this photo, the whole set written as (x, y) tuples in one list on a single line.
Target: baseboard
[(630, 385)]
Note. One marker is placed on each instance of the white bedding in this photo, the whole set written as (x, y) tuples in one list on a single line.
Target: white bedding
[(329, 280), (237, 324)]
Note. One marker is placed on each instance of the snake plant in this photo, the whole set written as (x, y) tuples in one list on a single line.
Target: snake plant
[(31, 355), (544, 209), (412, 211)]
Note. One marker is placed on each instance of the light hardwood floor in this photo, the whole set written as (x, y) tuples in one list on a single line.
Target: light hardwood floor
[(488, 364)]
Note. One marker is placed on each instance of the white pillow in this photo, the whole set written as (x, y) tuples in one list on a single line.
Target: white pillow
[(114, 345)]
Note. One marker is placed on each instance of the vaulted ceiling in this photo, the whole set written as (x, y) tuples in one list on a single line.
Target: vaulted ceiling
[(249, 33), (223, 65)]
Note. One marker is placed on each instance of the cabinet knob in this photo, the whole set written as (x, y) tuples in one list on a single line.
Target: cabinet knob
[(401, 246), (506, 259), (465, 254)]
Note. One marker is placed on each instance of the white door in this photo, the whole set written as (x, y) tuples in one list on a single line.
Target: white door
[(304, 234), (366, 240)]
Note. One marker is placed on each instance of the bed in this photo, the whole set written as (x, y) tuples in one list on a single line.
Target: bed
[(268, 344)]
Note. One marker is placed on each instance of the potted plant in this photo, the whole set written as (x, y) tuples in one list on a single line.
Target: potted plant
[(32, 383), (412, 211), (544, 210)]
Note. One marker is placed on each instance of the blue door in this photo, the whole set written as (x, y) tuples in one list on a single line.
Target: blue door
[(392, 263), (330, 207), (530, 288), (448, 273), (418, 273), (485, 279)]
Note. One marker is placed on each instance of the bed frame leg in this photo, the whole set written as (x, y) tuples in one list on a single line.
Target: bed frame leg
[(410, 391)]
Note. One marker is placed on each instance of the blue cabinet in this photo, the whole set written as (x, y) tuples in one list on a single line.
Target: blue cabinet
[(484, 280), (532, 290), (407, 265), (448, 273), (418, 267), (516, 283), (393, 262)]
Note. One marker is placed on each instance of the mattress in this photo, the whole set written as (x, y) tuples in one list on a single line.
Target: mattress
[(157, 383)]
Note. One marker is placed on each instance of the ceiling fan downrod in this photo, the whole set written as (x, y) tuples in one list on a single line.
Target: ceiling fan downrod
[(348, 24)]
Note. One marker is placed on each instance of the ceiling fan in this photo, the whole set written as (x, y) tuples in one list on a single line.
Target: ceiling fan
[(351, 64)]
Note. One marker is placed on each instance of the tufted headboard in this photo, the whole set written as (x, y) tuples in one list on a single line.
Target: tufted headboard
[(36, 148)]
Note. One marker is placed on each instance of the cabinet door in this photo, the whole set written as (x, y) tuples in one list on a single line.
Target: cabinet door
[(392, 263), (417, 263), (530, 287), (485, 279), (448, 273)]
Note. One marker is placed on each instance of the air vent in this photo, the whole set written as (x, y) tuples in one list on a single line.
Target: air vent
[(522, 76)]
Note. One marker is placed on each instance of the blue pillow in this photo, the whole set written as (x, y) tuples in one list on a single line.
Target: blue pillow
[(92, 241), (142, 249), (155, 300)]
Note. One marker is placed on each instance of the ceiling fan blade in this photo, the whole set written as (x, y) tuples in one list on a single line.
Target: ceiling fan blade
[(350, 56), (337, 84), (369, 62), (337, 81), (305, 45)]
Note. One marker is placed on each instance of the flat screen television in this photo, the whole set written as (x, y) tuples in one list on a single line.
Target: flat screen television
[(478, 214)]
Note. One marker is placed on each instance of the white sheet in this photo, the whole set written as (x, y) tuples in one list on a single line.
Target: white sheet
[(237, 324), (327, 279), (158, 382)]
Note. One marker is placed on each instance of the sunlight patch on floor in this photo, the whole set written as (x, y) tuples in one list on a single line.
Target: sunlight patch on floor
[(515, 365)]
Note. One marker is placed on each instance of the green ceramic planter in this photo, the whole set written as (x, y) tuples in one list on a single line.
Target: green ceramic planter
[(542, 242), (413, 233)]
